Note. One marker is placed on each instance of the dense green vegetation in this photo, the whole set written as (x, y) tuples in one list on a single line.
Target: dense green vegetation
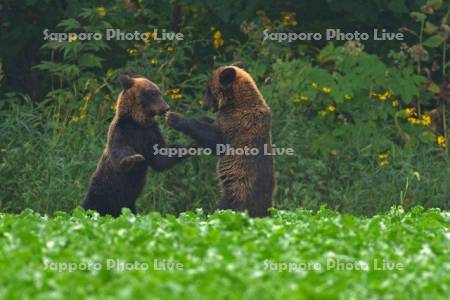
[(294, 255)]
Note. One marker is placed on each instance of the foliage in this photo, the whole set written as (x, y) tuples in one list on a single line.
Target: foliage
[(226, 256), (357, 140), (23, 23)]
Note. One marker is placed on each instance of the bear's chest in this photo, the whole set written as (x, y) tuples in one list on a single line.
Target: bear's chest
[(237, 124), (143, 139)]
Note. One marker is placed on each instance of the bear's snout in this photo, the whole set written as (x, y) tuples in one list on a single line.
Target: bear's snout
[(164, 108)]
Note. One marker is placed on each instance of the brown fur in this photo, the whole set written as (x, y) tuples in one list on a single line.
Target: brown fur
[(129, 104), (121, 172), (243, 120)]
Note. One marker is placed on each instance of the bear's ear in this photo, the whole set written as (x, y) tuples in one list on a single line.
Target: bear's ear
[(238, 64), (126, 81), (227, 75)]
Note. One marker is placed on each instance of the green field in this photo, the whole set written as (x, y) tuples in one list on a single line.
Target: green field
[(293, 255)]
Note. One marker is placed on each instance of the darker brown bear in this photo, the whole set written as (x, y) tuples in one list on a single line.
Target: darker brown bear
[(121, 171), (243, 120)]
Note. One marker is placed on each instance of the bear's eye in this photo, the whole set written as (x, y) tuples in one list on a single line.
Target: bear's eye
[(150, 94)]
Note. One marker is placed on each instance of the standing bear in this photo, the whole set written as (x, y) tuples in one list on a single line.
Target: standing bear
[(243, 121), (121, 171)]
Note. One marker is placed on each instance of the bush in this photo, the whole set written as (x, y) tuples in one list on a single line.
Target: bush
[(293, 255), (356, 148)]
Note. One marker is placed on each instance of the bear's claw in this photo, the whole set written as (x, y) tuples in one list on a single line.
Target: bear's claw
[(129, 161), (173, 119)]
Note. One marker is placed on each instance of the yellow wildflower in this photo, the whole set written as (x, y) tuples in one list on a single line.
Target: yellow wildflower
[(383, 159), (289, 20), (101, 11), (131, 51), (413, 120), (326, 89), (441, 141), (333, 152), (170, 49), (83, 111), (87, 98), (218, 43), (347, 97), (72, 38), (410, 111), (426, 120), (382, 97), (154, 61), (322, 113), (109, 72), (331, 108), (148, 37), (217, 35), (314, 85), (395, 103), (217, 39), (301, 98), (176, 94)]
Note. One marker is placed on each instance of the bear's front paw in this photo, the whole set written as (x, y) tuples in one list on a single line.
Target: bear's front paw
[(173, 120), (128, 162)]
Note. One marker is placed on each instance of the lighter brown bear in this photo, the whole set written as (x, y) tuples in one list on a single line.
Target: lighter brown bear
[(243, 121)]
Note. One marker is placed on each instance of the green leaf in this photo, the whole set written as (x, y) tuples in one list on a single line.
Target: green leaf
[(398, 6), (418, 17), (69, 24), (434, 41), (430, 28), (427, 137), (434, 88), (436, 4), (90, 61)]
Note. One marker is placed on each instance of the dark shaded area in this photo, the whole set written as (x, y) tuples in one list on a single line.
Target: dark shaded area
[(23, 22)]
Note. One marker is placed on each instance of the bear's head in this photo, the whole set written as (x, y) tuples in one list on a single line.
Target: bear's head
[(230, 86), (140, 100)]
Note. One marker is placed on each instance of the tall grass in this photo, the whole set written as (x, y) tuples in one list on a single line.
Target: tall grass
[(46, 162)]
